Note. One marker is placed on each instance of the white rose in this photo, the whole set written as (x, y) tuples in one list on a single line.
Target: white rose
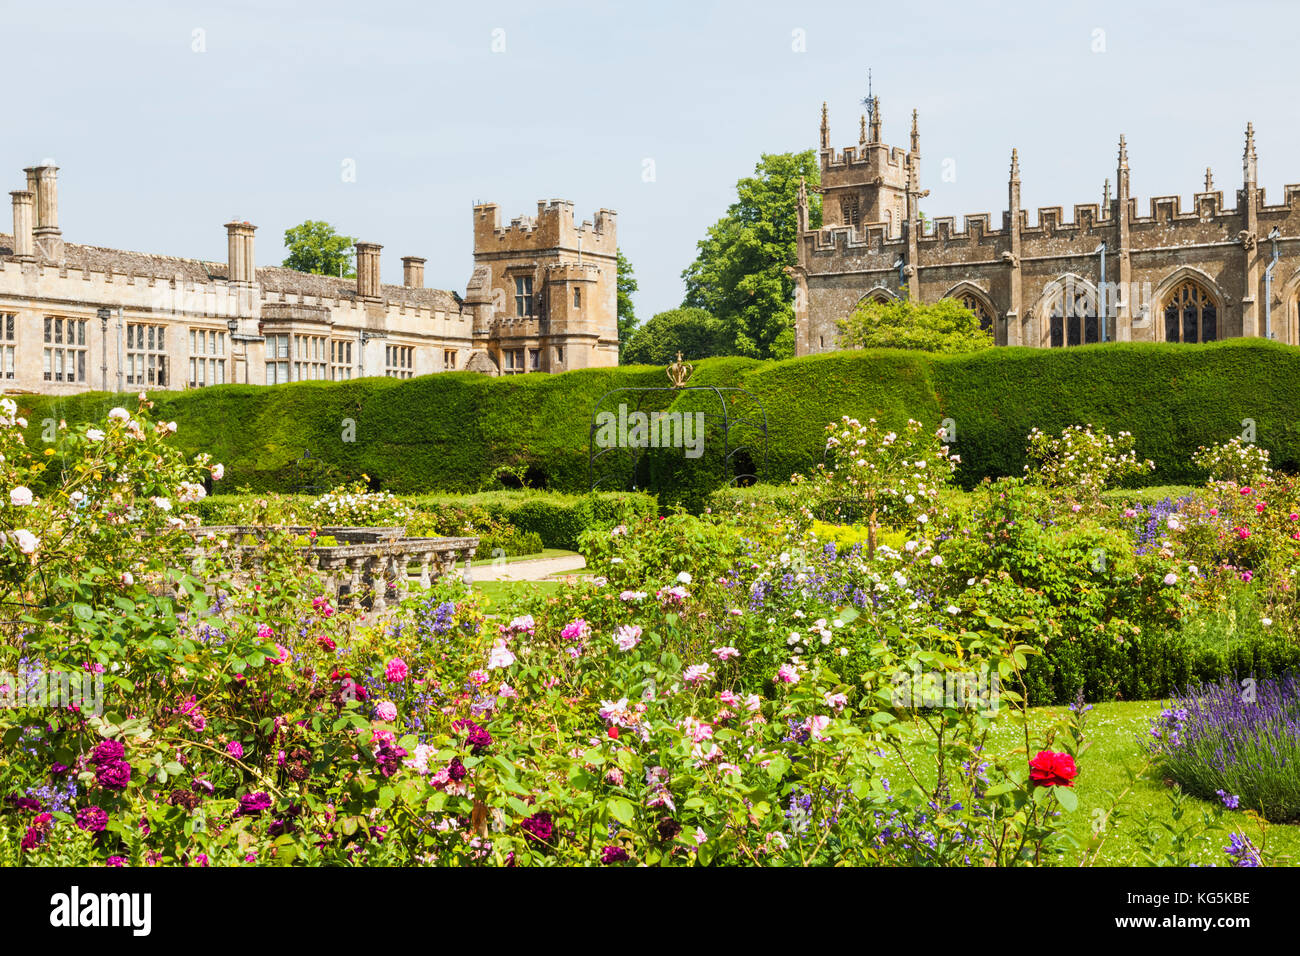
[(684, 578), (162, 504), (121, 414), (21, 496), (94, 434), (218, 471), (27, 542)]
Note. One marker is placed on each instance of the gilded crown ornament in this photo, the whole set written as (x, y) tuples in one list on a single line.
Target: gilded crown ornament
[(679, 372)]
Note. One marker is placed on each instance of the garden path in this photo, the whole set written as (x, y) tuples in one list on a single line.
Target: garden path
[(534, 570)]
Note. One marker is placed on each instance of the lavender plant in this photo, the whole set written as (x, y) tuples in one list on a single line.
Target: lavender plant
[(1241, 738)]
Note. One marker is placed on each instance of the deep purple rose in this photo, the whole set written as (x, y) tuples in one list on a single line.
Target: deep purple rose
[(253, 804), (477, 737), (108, 751), (92, 819), (389, 759), (456, 770), (539, 826), (113, 776), (613, 854)]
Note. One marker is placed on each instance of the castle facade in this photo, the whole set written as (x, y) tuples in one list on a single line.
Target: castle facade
[(1108, 274), (73, 318)]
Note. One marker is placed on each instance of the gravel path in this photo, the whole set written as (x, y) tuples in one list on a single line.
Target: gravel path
[(534, 570)]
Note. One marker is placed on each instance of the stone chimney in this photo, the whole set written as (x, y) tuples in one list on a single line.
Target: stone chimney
[(413, 272), (47, 200), (239, 252), (24, 245), (368, 270)]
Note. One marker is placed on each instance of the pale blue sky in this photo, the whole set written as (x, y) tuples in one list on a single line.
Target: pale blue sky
[(159, 145)]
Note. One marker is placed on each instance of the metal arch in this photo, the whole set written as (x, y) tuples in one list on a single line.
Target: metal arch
[(729, 421)]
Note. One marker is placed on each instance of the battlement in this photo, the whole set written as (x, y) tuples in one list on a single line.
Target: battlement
[(553, 229), (863, 155)]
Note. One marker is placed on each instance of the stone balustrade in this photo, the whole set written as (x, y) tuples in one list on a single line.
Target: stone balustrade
[(373, 567)]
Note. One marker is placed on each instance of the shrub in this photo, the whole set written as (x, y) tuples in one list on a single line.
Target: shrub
[(1241, 462), (449, 432), (1082, 463), (1231, 740), (879, 476)]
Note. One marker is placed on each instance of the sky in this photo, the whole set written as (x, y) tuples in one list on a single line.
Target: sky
[(391, 119)]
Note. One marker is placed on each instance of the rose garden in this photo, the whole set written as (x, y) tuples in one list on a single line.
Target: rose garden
[(869, 665)]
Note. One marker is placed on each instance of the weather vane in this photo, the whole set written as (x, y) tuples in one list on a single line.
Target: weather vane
[(679, 372), (869, 102)]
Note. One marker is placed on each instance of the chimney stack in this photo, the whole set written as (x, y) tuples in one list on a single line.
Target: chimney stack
[(24, 245), (368, 269), (239, 252), (413, 272), (47, 201)]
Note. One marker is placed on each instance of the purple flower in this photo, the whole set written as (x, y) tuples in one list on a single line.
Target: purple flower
[(456, 770), (115, 861), (113, 776), (235, 749), (92, 819), (389, 759), (1242, 851), (613, 854), (108, 751), (253, 804), (1229, 800), (539, 826), (477, 737)]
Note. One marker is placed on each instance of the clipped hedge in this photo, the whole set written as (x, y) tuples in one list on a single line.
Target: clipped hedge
[(450, 432), (550, 519)]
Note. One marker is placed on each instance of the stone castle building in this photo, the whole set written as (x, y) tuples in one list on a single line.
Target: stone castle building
[(541, 298), (1108, 274)]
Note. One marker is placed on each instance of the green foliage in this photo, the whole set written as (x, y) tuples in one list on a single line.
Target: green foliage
[(448, 432), (314, 246), (739, 275), (692, 332), (944, 326), (626, 310)]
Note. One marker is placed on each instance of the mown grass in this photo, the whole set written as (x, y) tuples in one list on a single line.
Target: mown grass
[(1116, 732)]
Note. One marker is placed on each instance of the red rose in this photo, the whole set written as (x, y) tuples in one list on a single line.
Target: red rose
[(1052, 769), (613, 733)]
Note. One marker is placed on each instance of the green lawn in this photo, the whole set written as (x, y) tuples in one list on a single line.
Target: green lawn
[(502, 592), (1114, 730), (544, 553)]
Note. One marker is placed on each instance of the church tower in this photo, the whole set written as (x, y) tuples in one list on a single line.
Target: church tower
[(867, 183)]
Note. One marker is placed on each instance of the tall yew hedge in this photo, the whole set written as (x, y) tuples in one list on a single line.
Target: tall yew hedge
[(449, 432)]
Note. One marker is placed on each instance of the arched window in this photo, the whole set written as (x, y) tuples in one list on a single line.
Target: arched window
[(1190, 314), (976, 305), (1072, 315)]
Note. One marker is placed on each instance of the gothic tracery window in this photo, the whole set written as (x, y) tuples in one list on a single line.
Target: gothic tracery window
[(1190, 314), (976, 305), (1072, 315)]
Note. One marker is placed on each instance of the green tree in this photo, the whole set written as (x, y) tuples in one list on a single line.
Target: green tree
[(315, 247), (945, 326), (691, 331), (626, 311), (739, 274)]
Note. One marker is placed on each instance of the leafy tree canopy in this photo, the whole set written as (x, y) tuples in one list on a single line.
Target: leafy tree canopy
[(314, 246), (626, 311), (739, 275), (691, 331), (945, 326)]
